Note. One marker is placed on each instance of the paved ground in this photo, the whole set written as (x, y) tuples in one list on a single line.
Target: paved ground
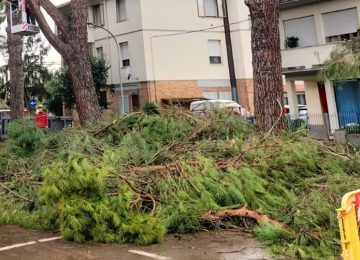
[(18, 244)]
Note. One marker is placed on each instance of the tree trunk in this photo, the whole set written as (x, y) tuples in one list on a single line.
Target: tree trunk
[(16, 68), (79, 65), (72, 46), (268, 84)]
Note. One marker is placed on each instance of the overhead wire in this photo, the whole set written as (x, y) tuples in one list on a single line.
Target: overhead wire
[(199, 30)]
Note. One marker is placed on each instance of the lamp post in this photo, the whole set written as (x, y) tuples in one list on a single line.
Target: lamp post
[(118, 54)]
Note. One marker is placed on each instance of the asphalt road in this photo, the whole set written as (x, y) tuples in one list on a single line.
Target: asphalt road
[(17, 244)]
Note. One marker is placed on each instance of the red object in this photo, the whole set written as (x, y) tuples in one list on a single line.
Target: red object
[(41, 120)]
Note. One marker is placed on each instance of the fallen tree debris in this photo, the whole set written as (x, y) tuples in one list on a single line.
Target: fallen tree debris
[(144, 175), (243, 212)]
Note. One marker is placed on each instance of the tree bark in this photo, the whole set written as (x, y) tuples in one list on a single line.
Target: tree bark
[(16, 68), (72, 46), (268, 85)]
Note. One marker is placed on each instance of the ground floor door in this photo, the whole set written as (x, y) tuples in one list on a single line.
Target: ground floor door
[(323, 99), (347, 95)]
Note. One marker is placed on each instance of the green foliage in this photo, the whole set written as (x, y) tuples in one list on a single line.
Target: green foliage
[(25, 137), (35, 69), (150, 108), (344, 62), (270, 235), (60, 88), (102, 187), (2, 12), (292, 42), (75, 190)]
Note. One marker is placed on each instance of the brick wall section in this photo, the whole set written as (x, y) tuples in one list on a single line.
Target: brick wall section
[(175, 89)]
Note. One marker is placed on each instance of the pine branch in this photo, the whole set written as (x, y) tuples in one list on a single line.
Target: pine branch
[(242, 212), (15, 194)]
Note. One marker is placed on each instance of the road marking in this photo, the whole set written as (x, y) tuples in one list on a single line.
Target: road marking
[(48, 239), (160, 257), (17, 245), (29, 243)]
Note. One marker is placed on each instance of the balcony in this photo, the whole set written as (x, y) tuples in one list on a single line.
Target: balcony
[(285, 4), (305, 60)]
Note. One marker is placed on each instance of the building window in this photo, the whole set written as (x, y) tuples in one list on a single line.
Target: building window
[(341, 25), (98, 11), (286, 100), (302, 28), (120, 10), (301, 99), (125, 56), (211, 8), (225, 95), (214, 49), (126, 104), (100, 52), (90, 47), (210, 95)]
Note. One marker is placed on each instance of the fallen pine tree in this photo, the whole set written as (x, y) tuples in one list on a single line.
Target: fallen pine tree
[(142, 176)]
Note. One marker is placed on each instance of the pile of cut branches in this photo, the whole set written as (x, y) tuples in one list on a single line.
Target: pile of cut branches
[(142, 176)]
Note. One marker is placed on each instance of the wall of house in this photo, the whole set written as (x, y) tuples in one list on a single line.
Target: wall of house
[(312, 97), (239, 18), (179, 64), (317, 53)]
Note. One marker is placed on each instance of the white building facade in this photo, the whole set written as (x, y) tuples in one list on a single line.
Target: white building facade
[(310, 29), (171, 50)]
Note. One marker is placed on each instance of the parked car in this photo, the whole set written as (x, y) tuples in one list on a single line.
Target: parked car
[(206, 107)]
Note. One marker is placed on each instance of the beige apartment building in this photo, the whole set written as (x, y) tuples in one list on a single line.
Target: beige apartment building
[(319, 26), (171, 50)]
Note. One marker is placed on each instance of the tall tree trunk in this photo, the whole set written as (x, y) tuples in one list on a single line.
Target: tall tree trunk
[(16, 68), (268, 84), (72, 46), (79, 65)]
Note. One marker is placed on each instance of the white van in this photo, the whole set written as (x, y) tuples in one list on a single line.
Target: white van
[(206, 107)]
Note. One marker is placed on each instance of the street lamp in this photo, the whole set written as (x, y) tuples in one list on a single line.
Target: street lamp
[(118, 53)]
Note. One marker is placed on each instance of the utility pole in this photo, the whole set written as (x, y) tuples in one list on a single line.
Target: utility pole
[(229, 50)]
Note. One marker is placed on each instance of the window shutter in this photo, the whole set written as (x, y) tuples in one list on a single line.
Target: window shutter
[(341, 22), (102, 15), (121, 10), (303, 28), (221, 10), (201, 7), (214, 48), (211, 8), (125, 55)]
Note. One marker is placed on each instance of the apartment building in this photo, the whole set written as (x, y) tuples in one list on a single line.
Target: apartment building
[(310, 29), (171, 51)]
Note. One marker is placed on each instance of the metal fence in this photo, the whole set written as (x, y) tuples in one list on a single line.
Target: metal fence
[(322, 126), (55, 124)]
